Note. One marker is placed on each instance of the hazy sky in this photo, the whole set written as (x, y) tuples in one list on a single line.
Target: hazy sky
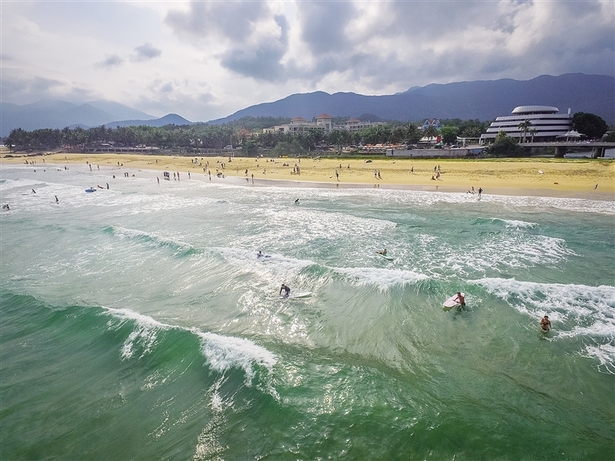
[(208, 59)]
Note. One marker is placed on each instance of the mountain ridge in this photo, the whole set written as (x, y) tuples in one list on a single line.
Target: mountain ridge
[(480, 99)]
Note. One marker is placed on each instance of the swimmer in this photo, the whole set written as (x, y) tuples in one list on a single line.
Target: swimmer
[(545, 324)]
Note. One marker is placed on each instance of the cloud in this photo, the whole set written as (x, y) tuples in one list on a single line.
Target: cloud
[(29, 90), (145, 53), (110, 61), (261, 60), (233, 21), (220, 57)]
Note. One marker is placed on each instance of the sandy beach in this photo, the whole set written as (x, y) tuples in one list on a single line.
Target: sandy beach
[(582, 178)]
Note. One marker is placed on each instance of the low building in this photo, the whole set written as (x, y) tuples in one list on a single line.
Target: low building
[(322, 122), (545, 124)]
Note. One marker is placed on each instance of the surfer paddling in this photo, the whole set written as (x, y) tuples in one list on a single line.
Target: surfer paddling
[(460, 299), (545, 324), (284, 291)]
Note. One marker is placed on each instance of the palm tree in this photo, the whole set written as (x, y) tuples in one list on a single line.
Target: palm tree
[(533, 132), (524, 126)]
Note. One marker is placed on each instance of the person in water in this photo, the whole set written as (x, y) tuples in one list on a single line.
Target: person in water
[(383, 252), (545, 323), (460, 299), (286, 291)]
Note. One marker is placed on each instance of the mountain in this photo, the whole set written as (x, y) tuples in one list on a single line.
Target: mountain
[(60, 114), (169, 119), (482, 100)]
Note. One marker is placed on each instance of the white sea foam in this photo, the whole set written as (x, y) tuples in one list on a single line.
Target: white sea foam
[(381, 278), (172, 242), (605, 353), (517, 224), (225, 352), (543, 295), (576, 311), (144, 334), (221, 352)]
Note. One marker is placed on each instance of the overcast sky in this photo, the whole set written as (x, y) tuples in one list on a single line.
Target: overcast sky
[(208, 59)]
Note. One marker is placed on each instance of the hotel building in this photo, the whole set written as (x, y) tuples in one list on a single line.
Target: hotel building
[(322, 122), (546, 124)]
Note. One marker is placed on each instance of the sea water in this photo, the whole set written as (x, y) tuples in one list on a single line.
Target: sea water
[(138, 323)]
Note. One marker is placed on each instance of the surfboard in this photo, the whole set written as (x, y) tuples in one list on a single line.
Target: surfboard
[(304, 294), (451, 302), (90, 190), (387, 257)]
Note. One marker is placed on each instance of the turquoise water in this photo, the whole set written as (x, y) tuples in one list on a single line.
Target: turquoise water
[(139, 324)]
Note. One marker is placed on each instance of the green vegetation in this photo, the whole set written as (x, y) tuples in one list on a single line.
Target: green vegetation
[(590, 125), (246, 133), (504, 146)]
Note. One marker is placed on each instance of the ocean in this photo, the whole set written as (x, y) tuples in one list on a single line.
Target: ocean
[(138, 322)]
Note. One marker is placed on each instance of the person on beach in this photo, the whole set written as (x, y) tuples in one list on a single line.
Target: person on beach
[(545, 323), (460, 299), (285, 290)]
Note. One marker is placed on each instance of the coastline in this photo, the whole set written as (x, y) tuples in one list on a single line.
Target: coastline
[(565, 178)]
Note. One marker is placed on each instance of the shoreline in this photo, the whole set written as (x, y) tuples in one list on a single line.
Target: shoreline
[(562, 178)]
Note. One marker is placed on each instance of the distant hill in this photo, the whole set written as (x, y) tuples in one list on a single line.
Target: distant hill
[(170, 119), (60, 114), (482, 100)]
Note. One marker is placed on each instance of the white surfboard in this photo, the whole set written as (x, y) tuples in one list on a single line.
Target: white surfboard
[(304, 294), (452, 301)]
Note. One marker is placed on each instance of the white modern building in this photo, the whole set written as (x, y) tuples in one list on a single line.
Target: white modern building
[(299, 125), (545, 124), (322, 122)]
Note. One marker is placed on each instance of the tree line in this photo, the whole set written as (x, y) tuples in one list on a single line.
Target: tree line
[(246, 133)]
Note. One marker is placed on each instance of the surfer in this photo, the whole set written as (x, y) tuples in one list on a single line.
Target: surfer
[(286, 291), (382, 252), (57, 200), (460, 299), (545, 323)]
